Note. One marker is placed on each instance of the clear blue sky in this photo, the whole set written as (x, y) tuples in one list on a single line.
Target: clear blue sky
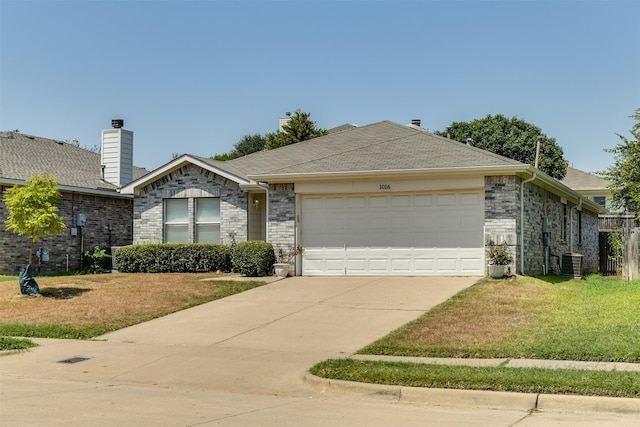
[(195, 76)]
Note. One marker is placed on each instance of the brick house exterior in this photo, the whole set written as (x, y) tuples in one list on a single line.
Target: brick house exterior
[(80, 174), (382, 199)]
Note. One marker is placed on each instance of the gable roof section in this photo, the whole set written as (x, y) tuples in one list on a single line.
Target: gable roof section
[(220, 168), (583, 181), (75, 168), (379, 147)]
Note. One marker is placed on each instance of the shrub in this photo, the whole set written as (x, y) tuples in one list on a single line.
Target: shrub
[(253, 258), (95, 261), (173, 258)]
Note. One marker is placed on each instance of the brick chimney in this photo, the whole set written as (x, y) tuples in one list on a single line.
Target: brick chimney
[(116, 154)]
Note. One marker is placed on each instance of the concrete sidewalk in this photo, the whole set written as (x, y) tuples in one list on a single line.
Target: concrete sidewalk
[(242, 360)]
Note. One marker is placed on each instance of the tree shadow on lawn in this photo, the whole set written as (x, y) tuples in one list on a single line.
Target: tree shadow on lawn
[(554, 278), (62, 293)]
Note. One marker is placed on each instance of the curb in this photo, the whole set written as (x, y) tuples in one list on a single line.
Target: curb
[(477, 398), (432, 396)]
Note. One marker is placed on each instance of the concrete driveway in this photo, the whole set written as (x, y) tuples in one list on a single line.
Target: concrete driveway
[(240, 361), (257, 342)]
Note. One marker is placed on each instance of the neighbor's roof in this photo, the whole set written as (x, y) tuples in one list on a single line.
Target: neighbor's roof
[(583, 181), (71, 166), (382, 146)]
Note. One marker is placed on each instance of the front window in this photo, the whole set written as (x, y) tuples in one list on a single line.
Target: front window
[(208, 220), (191, 220), (176, 221)]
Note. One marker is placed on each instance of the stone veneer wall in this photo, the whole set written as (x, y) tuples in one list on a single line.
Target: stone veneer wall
[(282, 214), (190, 182), (100, 211), (502, 220)]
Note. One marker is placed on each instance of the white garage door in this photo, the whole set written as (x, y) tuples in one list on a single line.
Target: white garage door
[(393, 234)]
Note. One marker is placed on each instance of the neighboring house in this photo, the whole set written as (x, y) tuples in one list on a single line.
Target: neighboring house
[(381, 199), (88, 184), (597, 189), (589, 185)]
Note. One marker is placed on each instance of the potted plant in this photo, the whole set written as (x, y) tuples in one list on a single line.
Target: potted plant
[(498, 257), (284, 259)]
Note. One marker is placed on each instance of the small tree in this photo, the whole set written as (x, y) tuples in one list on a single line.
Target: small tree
[(299, 128), (624, 174), (247, 145), (33, 209)]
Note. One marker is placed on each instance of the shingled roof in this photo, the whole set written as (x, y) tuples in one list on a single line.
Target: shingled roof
[(381, 146), (72, 166), (583, 181)]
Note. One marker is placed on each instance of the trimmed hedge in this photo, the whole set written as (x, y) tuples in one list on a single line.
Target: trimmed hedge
[(173, 258), (254, 258)]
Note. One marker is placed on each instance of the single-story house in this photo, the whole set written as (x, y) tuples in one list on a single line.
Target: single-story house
[(380, 199), (95, 212)]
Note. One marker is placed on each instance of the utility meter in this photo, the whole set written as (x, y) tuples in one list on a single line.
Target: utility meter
[(82, 220)]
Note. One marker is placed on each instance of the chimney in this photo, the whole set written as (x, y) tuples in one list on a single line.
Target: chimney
[(284, 120), (415, 122), (116, 154)]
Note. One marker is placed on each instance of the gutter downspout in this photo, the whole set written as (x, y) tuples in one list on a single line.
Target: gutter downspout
[(522, 221)]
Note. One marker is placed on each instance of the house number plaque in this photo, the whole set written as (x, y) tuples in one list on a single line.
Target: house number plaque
[(385, 186)]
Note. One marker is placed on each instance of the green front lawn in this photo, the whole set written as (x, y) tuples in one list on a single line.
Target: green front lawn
[(86, 306), (548, 317)]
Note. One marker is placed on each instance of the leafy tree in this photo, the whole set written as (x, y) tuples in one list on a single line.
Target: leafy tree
[(624, 174), (247, 145), (299, 128), (33, 209), (513, 138)]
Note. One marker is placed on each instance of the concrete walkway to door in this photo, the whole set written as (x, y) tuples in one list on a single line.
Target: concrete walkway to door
[(256, 342)]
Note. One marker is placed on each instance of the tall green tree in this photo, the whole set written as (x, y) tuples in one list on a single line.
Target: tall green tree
[(33, 209), (299, 128), (247, 145), (624, 174), (513, 138)]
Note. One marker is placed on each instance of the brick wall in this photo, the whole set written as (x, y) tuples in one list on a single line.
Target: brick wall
[(502, 219), (190, 182), (100, 211), (282, 214)]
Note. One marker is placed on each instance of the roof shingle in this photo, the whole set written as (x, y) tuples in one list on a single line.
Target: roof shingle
[(382, 146), (26, 155)]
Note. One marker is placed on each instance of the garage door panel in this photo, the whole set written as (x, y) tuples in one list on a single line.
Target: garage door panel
[(393, 234), (356, 202), (400, 201)]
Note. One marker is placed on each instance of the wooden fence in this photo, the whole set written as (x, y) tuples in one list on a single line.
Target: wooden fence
[(630, 261), (629, 264)]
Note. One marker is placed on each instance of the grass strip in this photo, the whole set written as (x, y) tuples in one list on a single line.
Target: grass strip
[(10, 343), (523, 380)]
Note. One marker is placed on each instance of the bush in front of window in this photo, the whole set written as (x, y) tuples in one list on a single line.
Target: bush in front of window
[(173, 258), (254, 258)]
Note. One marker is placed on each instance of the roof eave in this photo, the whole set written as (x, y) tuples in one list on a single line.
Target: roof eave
[(521, 170), (444, 172), (135, 186), (72, 189)]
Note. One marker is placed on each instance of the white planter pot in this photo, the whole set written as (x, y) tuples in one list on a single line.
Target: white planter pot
[(281, 269), (496, 271)]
